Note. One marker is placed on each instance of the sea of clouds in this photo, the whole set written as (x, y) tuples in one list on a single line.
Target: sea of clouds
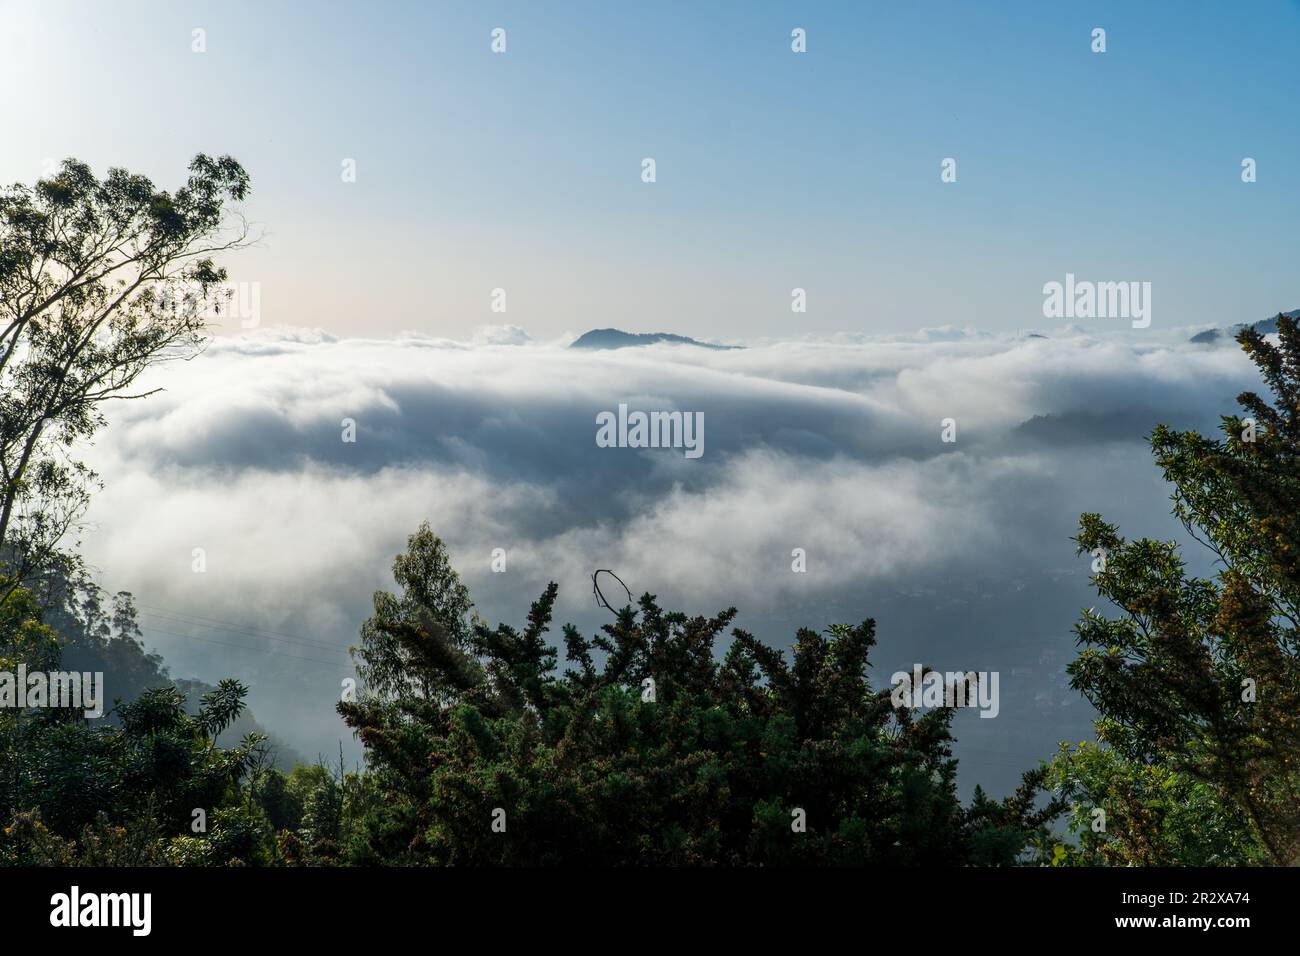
[(960, 550)]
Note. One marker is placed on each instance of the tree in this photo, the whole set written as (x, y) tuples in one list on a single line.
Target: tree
[(1130, 813), (404, 690), (96, 632), (99, 280), (659, 754), (73, 792), (1203, 675)]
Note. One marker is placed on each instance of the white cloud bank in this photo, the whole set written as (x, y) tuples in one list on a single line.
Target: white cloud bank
[(833, 447)]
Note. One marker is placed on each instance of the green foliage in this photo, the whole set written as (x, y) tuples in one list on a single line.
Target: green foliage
[(159, 756), (1154, 815), (237, 836), (74, 792), (24, 638), (99, 280), (1200, 678), (96, 631), (712, 767)]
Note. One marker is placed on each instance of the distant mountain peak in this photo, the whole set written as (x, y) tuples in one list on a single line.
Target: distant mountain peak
[(618, 339), (1263, 327)]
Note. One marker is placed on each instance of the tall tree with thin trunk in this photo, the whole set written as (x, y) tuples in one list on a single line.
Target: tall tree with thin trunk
[(99, 280)]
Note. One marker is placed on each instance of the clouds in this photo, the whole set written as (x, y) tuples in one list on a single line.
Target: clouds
[(830, 447)]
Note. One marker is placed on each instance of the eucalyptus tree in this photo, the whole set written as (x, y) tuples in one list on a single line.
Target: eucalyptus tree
[(99, 280)]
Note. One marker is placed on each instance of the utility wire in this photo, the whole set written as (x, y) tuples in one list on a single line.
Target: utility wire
[(232, 626), (245, 647)]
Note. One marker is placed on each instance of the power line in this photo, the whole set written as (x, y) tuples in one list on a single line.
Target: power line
[(244, 647), (230, 626)]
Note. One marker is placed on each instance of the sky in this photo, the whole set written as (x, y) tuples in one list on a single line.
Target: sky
[(775, 170), (521, 170)]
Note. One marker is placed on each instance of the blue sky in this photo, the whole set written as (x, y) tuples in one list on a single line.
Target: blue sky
[(775, 170)]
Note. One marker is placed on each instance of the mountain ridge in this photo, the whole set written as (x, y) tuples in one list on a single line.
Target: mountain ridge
[(618, 339), (1263, 327)]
